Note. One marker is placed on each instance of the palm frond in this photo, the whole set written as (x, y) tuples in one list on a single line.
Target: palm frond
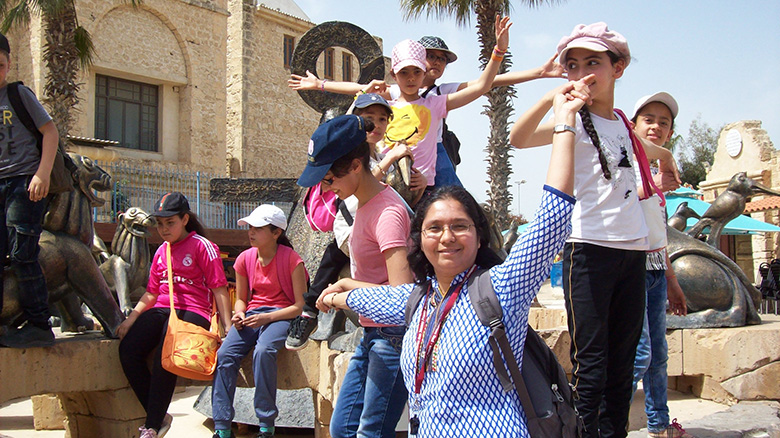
[(84, 47), (460, 10), (19, 14)]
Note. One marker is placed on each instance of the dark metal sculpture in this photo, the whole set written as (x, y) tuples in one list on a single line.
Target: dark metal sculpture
[(127, 269), (718, 292), (679, 220), (336, 34), (728, 206), (71, 273)]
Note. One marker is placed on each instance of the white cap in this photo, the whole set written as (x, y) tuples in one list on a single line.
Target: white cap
[(661, 96), (263, 215)]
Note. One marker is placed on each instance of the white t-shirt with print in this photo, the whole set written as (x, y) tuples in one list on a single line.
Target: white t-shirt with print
[(607, 212)]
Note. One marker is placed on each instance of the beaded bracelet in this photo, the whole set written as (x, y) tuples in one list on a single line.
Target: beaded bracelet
[(322, 85)]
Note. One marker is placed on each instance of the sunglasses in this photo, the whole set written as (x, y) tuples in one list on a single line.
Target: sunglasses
[(433, 57)]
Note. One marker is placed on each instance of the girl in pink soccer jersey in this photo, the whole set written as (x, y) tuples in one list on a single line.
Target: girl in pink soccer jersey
[(197, 275)]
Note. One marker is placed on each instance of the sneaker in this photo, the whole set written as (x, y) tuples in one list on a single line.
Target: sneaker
[(299, 331), (675, 430), (166, 426), (147, 433), (217, 435), (27, 336), (262, 434)]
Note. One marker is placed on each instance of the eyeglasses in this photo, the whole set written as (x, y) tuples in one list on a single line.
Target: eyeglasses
[(458, 230), (433, 57), (328, 181)]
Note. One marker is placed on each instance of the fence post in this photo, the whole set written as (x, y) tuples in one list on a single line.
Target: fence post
[(197, 191)]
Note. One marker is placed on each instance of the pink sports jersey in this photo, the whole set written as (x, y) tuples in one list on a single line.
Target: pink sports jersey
[(197, 268)]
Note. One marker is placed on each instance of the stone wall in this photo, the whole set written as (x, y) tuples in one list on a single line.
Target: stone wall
[(758, 157)]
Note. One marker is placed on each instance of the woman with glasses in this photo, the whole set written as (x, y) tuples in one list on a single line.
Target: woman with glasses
[(446, 360), (372, 395)]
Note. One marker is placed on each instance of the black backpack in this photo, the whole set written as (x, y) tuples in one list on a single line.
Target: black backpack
[(544, 390), (63, 168)]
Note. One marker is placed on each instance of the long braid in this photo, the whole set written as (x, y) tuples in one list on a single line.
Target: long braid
[(587, 123)]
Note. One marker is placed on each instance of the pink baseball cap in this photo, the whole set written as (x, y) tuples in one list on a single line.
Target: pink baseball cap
[(596, 37), (406, 53)]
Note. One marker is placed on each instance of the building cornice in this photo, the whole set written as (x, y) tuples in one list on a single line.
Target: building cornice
[(284, 19)]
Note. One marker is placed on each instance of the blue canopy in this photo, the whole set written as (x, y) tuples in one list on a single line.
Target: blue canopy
[(740, 225)]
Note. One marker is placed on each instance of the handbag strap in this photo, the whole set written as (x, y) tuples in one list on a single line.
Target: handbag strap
[(214, 321), (644, 166)]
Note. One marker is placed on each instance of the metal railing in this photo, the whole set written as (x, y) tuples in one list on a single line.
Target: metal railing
[(138, 185)]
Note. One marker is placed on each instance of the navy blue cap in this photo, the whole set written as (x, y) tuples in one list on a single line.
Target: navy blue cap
[(368, 99), (171, 203), (4, 44), (332, 140)]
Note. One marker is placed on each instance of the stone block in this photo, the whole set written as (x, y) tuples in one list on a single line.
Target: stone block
[(340, 364), (119, 405), (323, 409), (546, 318), (299, 369), (759, 384), (85, 426), (559, 342), (674, 366), (723, 353), (47, 412), (705, 387), (61, 368)]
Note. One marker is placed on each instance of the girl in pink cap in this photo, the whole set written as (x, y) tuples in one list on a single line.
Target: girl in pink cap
[(604, 259)]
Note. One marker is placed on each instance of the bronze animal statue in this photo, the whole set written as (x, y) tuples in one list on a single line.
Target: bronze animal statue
[(728, 206), (65, 256), (717, 291), (679, 220), (127, 270)]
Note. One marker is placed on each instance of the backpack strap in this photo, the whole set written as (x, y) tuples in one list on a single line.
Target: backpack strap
[(284, 253), (15, 98), (485, 302), (345, 212), (414, 300), (428, 90)]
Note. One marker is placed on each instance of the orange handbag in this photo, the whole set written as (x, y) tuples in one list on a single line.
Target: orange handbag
[(189, 350)]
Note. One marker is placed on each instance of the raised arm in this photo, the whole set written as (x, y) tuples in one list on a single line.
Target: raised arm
[(527, 131), (485, 81), (560, 174), (312, 82)]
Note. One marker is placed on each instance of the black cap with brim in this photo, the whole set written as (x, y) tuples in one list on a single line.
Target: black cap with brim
[(332, 140), (170, 204)]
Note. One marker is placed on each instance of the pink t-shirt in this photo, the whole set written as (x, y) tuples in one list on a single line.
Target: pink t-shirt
[(266, 289), (417, 124), (197, 268), (381, 224)]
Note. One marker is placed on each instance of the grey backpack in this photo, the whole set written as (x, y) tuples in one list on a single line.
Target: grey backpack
[(544, 390)]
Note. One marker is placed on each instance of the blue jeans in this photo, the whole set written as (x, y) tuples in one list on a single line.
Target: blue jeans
[(445, 171), (267, 341), (652, 354), (20, 229), (372, 395)]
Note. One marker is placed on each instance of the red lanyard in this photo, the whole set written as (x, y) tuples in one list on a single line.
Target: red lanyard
[(428, 331)]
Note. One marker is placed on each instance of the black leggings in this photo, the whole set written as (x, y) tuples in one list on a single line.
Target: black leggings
[(154, 389), (333, 260)]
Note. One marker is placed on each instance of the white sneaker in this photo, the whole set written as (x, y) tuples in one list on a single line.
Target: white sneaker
[(166, 426)]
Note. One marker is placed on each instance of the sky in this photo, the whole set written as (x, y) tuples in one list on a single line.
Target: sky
[(719, 59)]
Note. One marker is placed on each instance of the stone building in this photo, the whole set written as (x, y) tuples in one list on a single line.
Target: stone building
[(190, 84), (744, 147)]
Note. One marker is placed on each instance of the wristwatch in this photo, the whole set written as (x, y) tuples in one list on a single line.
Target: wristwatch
[(561, 127)]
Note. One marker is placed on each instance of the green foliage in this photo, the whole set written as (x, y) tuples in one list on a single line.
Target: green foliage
[(696, 152)]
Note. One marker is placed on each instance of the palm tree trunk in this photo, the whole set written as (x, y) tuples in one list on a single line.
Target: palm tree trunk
[(62, 62), (498, 110)]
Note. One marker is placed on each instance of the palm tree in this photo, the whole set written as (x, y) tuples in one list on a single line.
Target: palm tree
[(67, 48), (499, 107)]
